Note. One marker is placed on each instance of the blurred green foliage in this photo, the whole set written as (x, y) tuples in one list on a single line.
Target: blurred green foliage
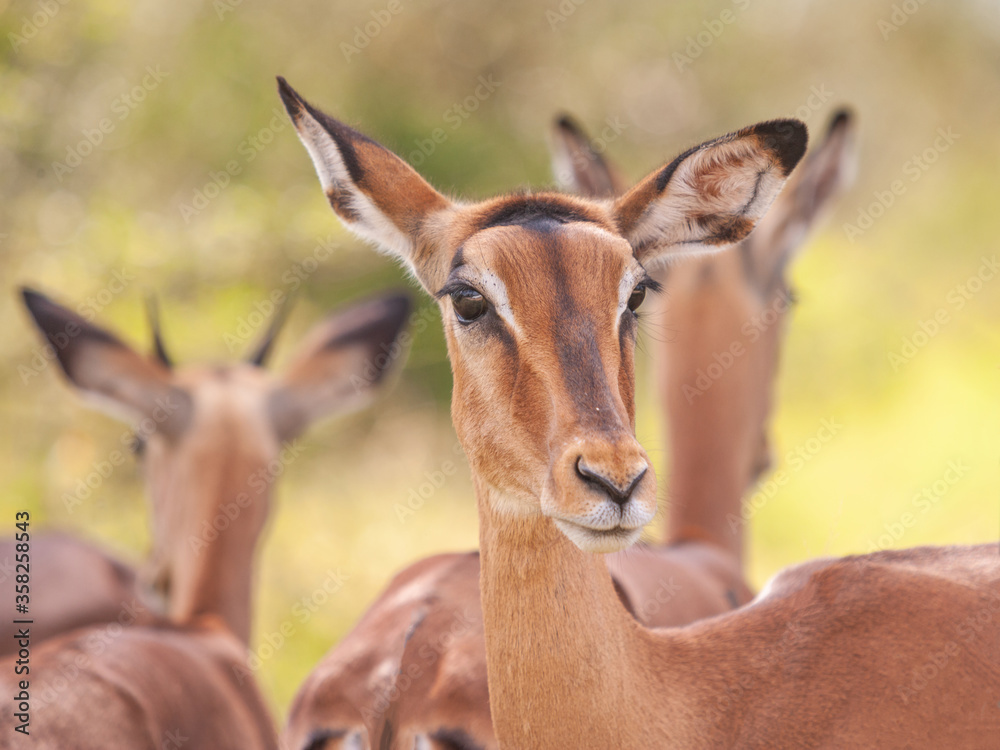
[(186, 90)]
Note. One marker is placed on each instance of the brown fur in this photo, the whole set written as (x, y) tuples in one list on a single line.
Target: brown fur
[(353, 689), (74, 583), (718, 435), (825, 664), (688, 575), (698, 573), (210, 471), (567, 665), (143, 688)]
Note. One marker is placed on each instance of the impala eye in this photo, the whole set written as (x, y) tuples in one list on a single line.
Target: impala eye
[(469, 305), (636, 298)]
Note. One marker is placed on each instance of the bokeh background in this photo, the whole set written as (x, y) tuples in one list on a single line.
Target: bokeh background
[(206, 97)]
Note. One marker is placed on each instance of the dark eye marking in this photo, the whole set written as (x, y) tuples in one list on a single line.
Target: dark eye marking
[(646, 284), (636, 298), (468, 303)]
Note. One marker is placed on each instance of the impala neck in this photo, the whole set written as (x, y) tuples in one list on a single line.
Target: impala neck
[(212, 573), (705, 495), (567, 665), (714, 437), (220, 584)]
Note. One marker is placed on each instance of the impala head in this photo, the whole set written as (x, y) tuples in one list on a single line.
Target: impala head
[(539, 294), (212, 440), (724, 314)]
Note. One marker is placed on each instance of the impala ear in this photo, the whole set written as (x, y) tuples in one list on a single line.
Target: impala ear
[(374, 192), (118, 380), (823, 175), (712, 195), (577, 166), (341, 363)]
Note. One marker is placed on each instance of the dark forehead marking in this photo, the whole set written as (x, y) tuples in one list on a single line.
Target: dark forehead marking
[(579, 355), (582, 365), (388, 736), (541, 212)]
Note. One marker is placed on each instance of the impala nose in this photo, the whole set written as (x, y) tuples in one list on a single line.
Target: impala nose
[(619, 491)]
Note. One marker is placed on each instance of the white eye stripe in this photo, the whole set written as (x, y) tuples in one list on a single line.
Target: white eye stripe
[(630, 279), (495, 291)]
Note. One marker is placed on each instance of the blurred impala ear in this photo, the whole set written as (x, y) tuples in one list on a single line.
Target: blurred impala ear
[(119, 381), (823, 175), (712, 195), (577, 166), (375, 193), (341, 364)]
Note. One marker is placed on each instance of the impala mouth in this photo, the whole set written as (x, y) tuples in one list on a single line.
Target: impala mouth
[(591, 539)]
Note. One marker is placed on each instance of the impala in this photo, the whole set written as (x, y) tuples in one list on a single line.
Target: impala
[(708, 301), (76, 582), (713, 308), (416, 661), (538, 294), (73, 583), (218, 430)]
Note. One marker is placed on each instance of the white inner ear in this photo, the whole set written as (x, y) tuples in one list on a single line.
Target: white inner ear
[(378, 229), (562, 168), (324, 153), (373, 225), (734, 179)]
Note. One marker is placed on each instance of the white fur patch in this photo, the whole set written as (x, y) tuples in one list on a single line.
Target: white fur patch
[(626, 286), (596, 542), (745, 180), (353, 741), (496, 292), (373, 226)]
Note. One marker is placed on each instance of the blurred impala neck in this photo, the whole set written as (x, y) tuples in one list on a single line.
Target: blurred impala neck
[(218, 582), (213, 573), (705, 500), (714, 438)]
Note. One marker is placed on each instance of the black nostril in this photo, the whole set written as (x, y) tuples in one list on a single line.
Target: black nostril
[(616, 493)]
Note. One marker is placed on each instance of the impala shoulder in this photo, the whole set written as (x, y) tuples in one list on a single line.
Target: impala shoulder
[(794, 579), (903, 580), (426, 574)]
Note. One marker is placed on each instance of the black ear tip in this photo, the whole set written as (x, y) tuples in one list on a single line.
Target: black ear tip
[(30, 296), (36, 302), (566, 123), (842, 118), (292, 101), (48, 316), (788, 140)]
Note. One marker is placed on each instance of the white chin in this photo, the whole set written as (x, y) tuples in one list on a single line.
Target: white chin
[(598, 541)]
